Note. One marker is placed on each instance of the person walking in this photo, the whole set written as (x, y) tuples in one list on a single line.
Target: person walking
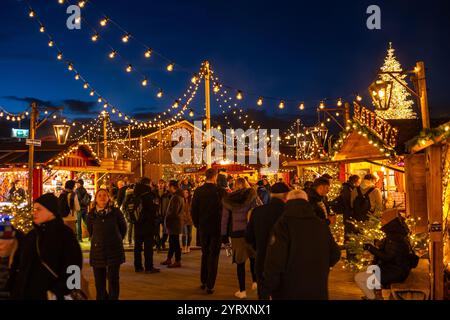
[(144, 226), (262, 220), (107, 228), (300, 253), (84, 200), (187, 229), (206, 215), (69, 204), (40, 263), (236, 207), (162, 199), (366, 199), (174, 224)]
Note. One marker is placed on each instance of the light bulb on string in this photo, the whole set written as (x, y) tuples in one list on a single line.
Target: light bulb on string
[(144, 82), (70, 67), (32, 14), (358, 98), (148, 53), (160, 93), (239, 95), (92, 93), (302, 106), (339, 103), (42, 29), (82, 4), (104, 21), (281, 105), (85, 85), (194, 78), (99, 100), (126, 38), (51, 43), (191, 113), (129, 68), (170, 67), (59, 56), (94, 37), (260, 101), (322, 105), (77, 76)]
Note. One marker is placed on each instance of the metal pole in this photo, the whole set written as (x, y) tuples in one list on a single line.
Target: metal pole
[(33, 119), (208, 114), (129, 136), (160, 150)]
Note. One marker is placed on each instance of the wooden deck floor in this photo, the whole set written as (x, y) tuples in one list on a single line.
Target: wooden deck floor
[(183, 283)]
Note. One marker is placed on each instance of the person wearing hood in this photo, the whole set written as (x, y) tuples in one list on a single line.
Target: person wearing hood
[(369, 190), (174, 224), (392, 255), (300, 253), (236, 208), (107, 228), (144, 226), (261, 222), (43, 256)]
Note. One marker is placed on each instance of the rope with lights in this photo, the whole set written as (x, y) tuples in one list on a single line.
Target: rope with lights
[(13, 117)]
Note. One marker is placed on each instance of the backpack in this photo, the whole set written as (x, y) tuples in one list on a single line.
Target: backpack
[(361, 205), (85, 201), (263, 195), (133, 208), (63, 205)]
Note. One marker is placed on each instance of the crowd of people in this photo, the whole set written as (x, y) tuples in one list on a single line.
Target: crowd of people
[(281, 230)]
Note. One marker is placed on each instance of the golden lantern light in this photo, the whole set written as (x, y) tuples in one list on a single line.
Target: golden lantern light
[(170, 67), (61, 133), (380, 95), (126, 38), (148, 53), (322, 105), (260, 101), (239, 95), (281, 105)]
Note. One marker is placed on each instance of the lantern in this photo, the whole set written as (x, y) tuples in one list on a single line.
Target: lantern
[(61, 133), (381, 93)]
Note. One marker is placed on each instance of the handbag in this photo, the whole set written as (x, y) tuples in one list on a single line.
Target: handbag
[(74, 294)]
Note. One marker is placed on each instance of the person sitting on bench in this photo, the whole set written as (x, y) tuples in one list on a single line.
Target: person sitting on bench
[(393, 255)]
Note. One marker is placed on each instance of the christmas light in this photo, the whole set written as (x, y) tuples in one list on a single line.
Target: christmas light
[(85, 85), (260, 101), (339, 103), (104, 21), (194, 78), (77, 76), (160, 93), (42, 29), (322, 105), (175, 104), (301, 106), (191, 113), (281, 105), (148, 53), (358, 98), (129, 68), (239, 95), (144, 82), (70, 67), (170, 67), (59, 56), (94, 37), (126, 38), (81, 4), (32, 14), (92, 93), (112, 54), (216, 88)]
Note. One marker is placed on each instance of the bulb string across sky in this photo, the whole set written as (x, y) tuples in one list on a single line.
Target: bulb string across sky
[(265, 57)]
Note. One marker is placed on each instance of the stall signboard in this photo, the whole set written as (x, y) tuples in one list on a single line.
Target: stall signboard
[(33, 142), (20, 133)]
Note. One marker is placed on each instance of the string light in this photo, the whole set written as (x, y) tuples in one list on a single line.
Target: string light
[(77, 76), (42, 29), (194, 78), (260, 101), (31, 14), (216, 88), (59, 56), (126, 38), (170, 67), (281, 105), (51, 43), (358, 98), (86, 85), (144, 82), (148, 53), (322, 105), (129, 68), (239, 95), (175, 104), (112, 54), (82, 4), (104, 21), (94, 37), (302, 106), (70, 67), (191, 113), (160, 93), (339, 103)]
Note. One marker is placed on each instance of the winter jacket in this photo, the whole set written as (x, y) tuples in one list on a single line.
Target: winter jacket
[(236, 207), (375, 197), (207, 209), (393, 254), (162, 200), (146, 224), (319, 204), (174, 214), (121, 196), (107, 229), (187, 215), (81, 193), (346, 194), (300, 253), (263, 194), (59, 249), (261, 222)]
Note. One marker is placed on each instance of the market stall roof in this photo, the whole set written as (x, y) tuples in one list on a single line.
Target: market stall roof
[(16, 153)]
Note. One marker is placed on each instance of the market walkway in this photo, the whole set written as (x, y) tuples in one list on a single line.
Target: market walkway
[(183, 283)]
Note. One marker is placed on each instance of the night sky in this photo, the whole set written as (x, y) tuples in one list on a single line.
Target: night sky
[(300, 50)]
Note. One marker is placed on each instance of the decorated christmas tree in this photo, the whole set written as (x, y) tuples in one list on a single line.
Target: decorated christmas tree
[(401, 105)]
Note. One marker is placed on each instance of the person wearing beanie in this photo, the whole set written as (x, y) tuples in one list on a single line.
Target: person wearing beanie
[(43, 255), (261, 222)]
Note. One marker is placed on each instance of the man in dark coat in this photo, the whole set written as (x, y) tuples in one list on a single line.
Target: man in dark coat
[(174, 224), (300, 253), (145, 227), (346, 200), (317, 198), (162, 197), (261, 222), (84, 200), (391, 255), (207, 217)]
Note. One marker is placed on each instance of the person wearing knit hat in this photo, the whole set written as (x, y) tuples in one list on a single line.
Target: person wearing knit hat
[(44, 255), (262, 220)]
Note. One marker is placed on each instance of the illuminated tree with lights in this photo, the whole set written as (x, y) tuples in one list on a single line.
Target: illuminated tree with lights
[(401, 105)]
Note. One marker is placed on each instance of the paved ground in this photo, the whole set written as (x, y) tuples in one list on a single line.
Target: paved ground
[(183, 283)]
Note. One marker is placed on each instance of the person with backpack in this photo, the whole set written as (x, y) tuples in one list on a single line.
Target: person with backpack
[(69, 205), (174, 224), (84, 199), (366, 199), (393, 255), (144, 217)]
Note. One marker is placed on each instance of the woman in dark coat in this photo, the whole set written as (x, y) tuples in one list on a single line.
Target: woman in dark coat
[(50, 243), (107, 228), (235, 216), (174, 222)]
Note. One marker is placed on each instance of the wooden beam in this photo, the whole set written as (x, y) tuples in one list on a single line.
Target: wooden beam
[(435, 218)]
